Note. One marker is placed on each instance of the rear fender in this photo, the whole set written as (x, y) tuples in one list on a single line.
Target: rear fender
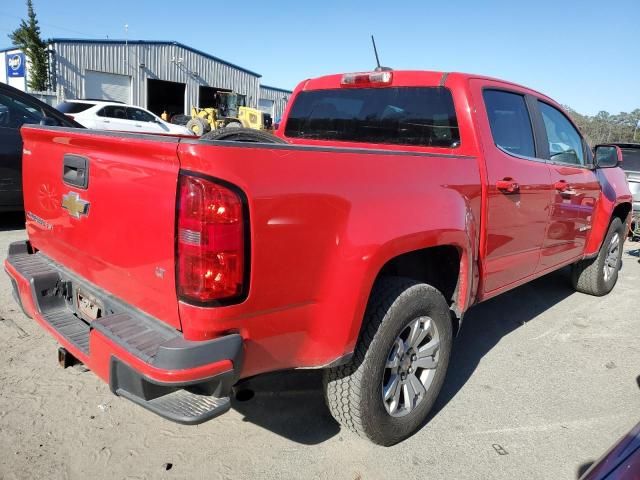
[(452, 224)]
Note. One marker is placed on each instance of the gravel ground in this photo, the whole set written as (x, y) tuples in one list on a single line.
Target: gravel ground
[(542, 381)]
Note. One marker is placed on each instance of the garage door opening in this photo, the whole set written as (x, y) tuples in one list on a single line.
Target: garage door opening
[(266, 106), (208, 96), (163, 95)]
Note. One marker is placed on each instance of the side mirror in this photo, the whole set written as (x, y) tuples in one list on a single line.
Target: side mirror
[(607, 156)]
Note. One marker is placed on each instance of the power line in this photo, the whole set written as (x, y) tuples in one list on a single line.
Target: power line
[(50, 25)]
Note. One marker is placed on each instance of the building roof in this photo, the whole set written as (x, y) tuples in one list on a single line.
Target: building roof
[(154, 42), (276, 88), (9, 49)]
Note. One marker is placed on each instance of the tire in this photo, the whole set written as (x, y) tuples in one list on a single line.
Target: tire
[(354, 392), (241, 135), (199, 126), (597, 276)]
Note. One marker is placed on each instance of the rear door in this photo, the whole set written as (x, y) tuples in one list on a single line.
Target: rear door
[(575, 188), (114, 117), (104, 207), (518, 191)]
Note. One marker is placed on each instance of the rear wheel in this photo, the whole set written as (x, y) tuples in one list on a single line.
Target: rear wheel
[(597, 276), (387, 389)]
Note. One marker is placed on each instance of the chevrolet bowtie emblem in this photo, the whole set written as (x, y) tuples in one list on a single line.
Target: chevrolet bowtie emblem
[(72, 203)]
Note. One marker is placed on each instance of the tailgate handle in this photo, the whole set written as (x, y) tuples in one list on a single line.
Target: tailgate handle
[(75, 170)]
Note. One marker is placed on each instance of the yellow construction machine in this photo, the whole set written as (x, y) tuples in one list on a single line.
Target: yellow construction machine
[(229, 111)]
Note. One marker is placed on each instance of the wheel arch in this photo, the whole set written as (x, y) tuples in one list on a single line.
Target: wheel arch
[(601, 224), (447, 266), (438, 266)]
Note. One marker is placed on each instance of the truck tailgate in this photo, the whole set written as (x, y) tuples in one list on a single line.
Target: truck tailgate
[(118, 231)]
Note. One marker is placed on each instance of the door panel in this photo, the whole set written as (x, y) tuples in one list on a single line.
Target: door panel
[(114, 117), (519, 191), (575, 188), (576, 191)]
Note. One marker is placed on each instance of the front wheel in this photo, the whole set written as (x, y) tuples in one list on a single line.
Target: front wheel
[(597, 276), (387, 389)]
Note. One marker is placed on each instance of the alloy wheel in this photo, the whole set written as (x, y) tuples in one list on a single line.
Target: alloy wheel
[(411, 366)]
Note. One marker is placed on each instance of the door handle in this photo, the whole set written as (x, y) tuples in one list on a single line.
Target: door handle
[(564, 188), (508, 185), (107, 121), (75, 170)]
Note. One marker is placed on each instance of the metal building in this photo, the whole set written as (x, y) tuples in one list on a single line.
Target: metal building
[(273, 100), (157, 75)]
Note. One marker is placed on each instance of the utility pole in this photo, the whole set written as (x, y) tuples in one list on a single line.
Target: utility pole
[(126, 46)]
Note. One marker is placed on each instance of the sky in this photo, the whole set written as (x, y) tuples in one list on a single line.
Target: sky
[(584, 54)]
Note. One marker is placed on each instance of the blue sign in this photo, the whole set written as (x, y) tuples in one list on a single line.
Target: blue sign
[(15, 65)]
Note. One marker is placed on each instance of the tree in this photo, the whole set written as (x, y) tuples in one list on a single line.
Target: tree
[(604, 127), (27, 38)]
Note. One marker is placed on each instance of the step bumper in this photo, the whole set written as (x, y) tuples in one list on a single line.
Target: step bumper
[(140, 357)]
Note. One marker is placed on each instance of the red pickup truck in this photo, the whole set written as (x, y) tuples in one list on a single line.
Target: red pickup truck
[(387, 205)]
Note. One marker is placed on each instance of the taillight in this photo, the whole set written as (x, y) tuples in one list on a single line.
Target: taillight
[(210, 239), (367, 79)]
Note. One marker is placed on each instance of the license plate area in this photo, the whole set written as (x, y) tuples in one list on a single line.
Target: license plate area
[(88, 307)]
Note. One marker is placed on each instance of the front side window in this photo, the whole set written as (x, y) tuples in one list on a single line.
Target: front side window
[(420, 116), (510, 123), (565, 143)]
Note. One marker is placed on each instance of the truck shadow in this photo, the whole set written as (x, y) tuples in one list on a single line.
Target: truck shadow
[(487, 323), (291, 404)]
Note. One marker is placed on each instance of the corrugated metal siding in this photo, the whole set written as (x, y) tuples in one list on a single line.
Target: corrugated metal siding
[(279, 97), (161, 61)]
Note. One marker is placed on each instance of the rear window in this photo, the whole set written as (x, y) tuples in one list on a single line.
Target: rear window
[(73, 107), (631, 159), (400, 115)]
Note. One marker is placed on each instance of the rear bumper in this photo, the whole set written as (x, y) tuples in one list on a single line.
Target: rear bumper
[(141, 358)]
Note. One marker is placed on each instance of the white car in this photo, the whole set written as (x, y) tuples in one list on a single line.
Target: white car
[(104, 115)]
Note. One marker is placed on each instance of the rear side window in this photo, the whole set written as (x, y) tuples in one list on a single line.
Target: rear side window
[(565, 143), (73, 107), (402, 116), (510, 122), (113, 111)]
